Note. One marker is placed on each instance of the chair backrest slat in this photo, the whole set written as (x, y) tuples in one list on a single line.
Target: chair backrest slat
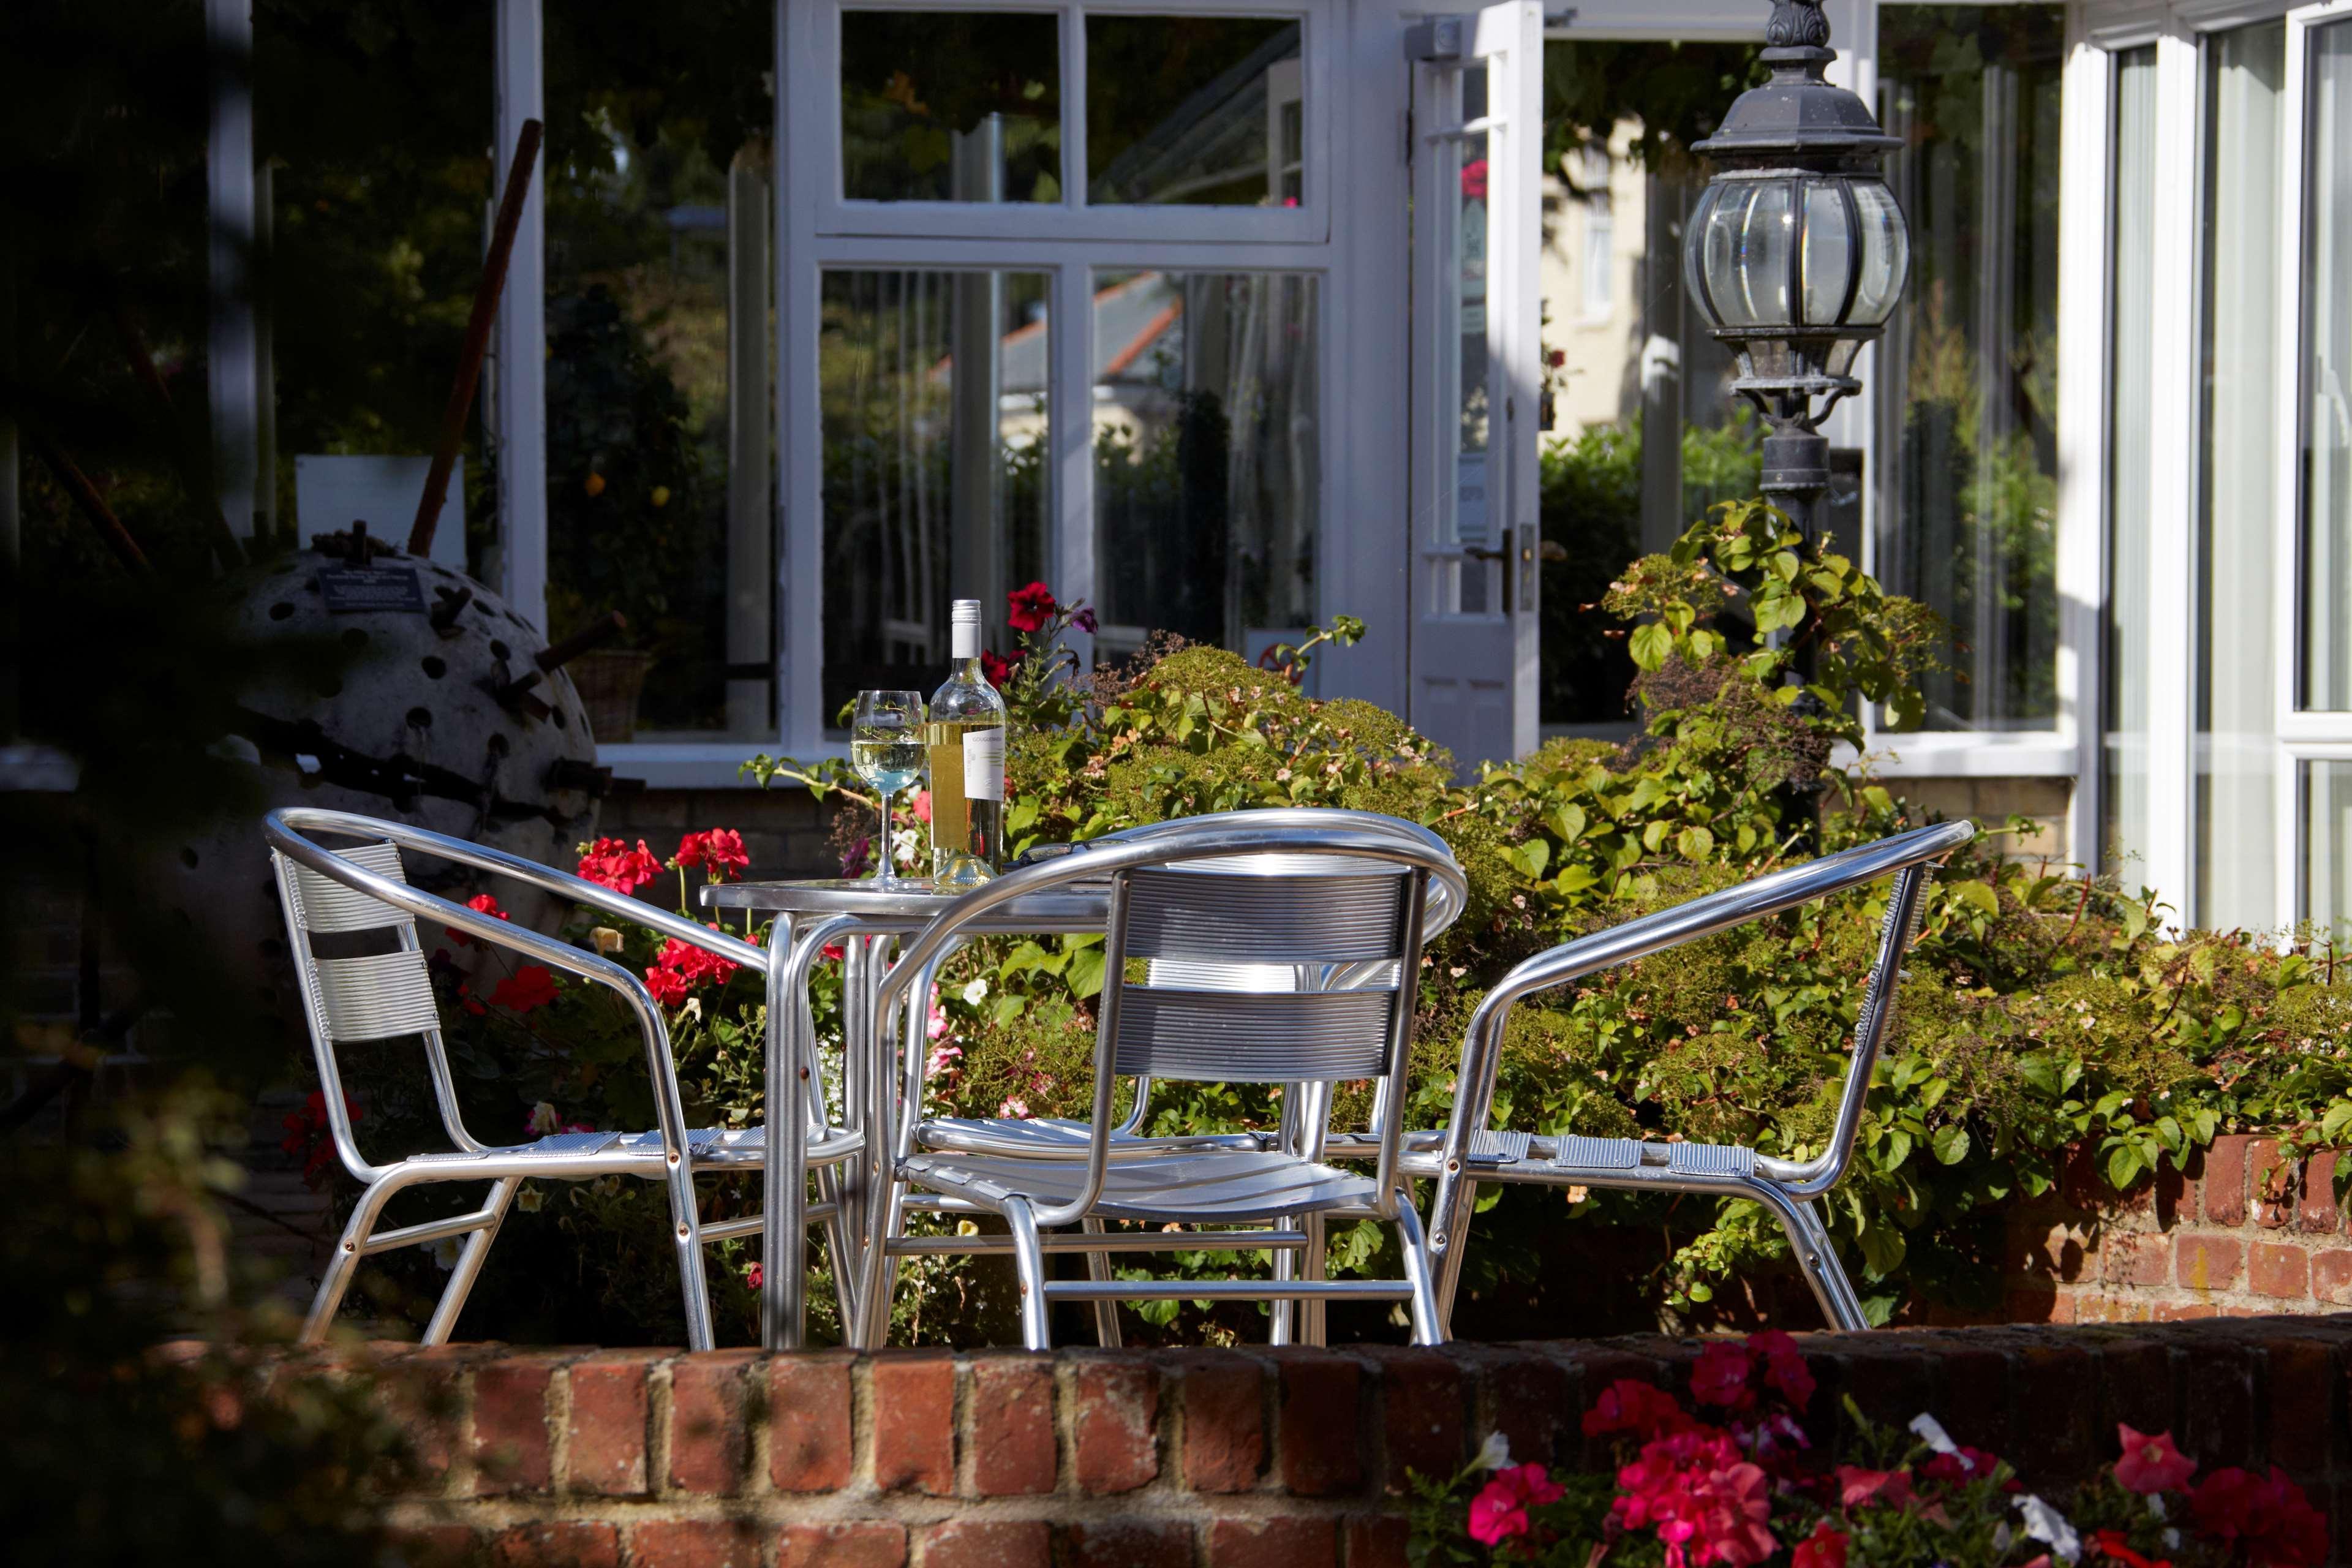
[(1268, 1036), (1258, 915), (1277, 967), (379, 997), (330, 907)]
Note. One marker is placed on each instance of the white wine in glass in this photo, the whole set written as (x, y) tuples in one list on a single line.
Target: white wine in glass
[(885, 747)]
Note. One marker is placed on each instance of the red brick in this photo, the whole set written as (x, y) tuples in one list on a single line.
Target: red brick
[(809, 1435), (2208, 1262), (2318, 1213), (708, 1437), (1420, 1412), (2061, 1381), (2218, 1400), (1972, 1390), (988, 1544), (420, 1394), (2178, 1194), (1376, 1540), (2037, 1307), (2279, 1268), (2225, 1180), (609, 1406), (1292, 1542), (2300, 1379), (1128, 1543), (914, 1423), (1319, 1433), (432, 1545), (557, 1544), (2269, 1183), (864, 1544), (2135, 1261), (2185, 1311), (1886, 1377), (2136, 1385), (1225, 1421), (1538, 1401), (1115, 1425), (2331, 1276), (512, 1452), (1011, 1432), (697, 1543)]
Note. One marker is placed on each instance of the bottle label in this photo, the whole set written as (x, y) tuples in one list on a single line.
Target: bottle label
[(983, 763)]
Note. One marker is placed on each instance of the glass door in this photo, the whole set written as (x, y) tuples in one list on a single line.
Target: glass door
[(1478, 211)]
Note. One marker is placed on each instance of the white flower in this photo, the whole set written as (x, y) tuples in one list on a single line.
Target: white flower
[(2156, 1505), (1494, 1454), (2171, 1538), (542, 1118), (1931, 1432), (529, 1199), (444, 1251), (693, 1008), (976, 992), (2047, 1525)]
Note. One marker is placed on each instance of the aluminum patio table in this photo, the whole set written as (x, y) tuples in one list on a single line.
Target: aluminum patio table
[(862, 916)]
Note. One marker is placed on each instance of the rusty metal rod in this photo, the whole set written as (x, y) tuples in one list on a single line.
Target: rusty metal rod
[(594, 635), (86, 496), (477, 340)]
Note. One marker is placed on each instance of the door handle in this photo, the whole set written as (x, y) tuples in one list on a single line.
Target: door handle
[(1511, 575)]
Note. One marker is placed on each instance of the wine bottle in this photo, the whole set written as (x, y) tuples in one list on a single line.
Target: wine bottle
[(966, 736)]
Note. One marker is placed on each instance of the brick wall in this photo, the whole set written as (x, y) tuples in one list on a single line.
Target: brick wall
[(2242, 1233), (1204, 1458)]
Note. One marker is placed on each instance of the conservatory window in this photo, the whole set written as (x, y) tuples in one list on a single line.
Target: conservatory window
[(1965, 381), (2130, 463)]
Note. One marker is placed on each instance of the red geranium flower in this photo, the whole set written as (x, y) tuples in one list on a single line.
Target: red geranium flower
[(2270, 1515), (922, 806), (611, 863), (2150, 1464), (1499, 1511), (668, 986), (1965, 1465), (1785, 1371), (482, 902), (722, 849), (2112, 1544), (1721, 1376), (1028, 609), (1630, 1406), (1474, 179), (311, 1135), (997, 670), (528, 987)]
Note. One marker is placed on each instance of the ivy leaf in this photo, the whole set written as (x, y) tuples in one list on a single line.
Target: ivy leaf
[(1532, 856), (1978, 896), (1898, 1148), (2124, 1166), (1951, 1144), (2040, 1070), (1695, 843), (1085, 974)]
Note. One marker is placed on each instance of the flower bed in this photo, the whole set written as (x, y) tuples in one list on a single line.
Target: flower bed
[(1734, 1479)]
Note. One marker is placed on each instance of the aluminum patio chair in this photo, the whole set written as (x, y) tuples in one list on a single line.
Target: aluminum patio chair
[(1468, 1155), (1346, 903), (367, 980), (1068, 1137)]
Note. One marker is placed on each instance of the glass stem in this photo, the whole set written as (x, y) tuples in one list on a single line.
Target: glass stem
[(889, 872)]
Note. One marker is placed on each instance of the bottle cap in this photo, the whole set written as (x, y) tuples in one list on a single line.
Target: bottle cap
[(963, 629)]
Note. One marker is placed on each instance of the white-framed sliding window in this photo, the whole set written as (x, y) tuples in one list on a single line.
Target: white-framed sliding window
[(1167, 313)]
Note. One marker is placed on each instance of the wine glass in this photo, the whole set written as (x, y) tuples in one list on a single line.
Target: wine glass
[(885, 747)]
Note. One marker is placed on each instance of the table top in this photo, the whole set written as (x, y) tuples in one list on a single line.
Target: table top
[(1075, 906)]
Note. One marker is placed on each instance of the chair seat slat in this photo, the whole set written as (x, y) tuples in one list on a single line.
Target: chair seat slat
[(329, 906)]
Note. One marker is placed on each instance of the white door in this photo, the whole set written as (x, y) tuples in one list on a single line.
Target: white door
[(1477, 145)]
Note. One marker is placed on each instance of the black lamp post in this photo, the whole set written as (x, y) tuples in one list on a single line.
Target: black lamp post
[(1796, 251)]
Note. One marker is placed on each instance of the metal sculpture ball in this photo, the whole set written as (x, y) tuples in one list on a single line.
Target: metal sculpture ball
[(446, 710)]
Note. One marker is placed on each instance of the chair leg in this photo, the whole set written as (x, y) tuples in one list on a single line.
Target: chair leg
[(346, 1260), (1454, 1221), (1107, 1332), (1282, 1319), (1817, 1257), (877, 1280), (1313, 1264), (837, 1248), (694, 1290), (1428, 1323), (1029, 1265), (476, 1252)]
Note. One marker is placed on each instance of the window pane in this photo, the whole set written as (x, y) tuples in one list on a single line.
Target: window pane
[(2327, 373), (950, 106), (2245, 71), (933, 390), (659, 430), (1467, 592), (1966, 377), (1208, 455), (1194, 111), (2328, 847), (2130, 457)]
